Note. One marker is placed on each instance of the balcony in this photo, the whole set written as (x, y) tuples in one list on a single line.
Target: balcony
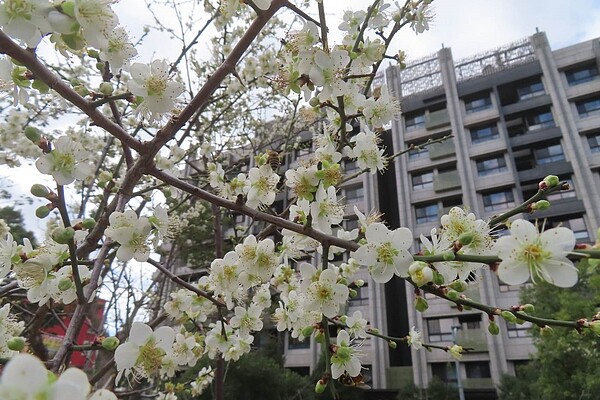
[(446, 181), (535, 136), (473, 338), (478, 383), (437, 119), (540, 171), (441, 150), (523, 105)]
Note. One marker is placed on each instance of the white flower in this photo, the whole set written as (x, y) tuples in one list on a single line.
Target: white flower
[(261, 186), (415, 339), (326, 295), (97, 20), (357, 325), (7, 83), (344, 358), (367, 152), (263, 4), (386, 252), (66, 162), (326, 210), (181, 302), (25, 20), (247, 320), (132, 233), (543, 256), (328, 72), (381, 111), (152, 83), (62, 288), (205, 377), (10, 327), (420, 273), (456, 351), (8, 249), (160, 221), (119, 50), (143, 353), (303, 181)]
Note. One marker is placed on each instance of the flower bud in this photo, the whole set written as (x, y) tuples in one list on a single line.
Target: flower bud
[(459, 285), (549, 182), (33, 134), (519, 321), (453, 295), (307, 331), (65, 284), (39, 190), (63, 235), (320, 386), (42, 211), (392, 344), (110, 343), (528, 308), (493, 328), (466, 238), (540, 205), (421, 304), (88, 223), (438, 278), (16, 343), (105, 176), (449, 256), (106, 88), (93, 53), (359, 283), (546, 330), (343, 318), (314, 102), (100, 66), (352, 293), (420, 273), (374, 330), (319, 337), (508, 316)]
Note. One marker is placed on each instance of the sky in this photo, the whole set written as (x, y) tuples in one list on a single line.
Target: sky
[(468, 27)]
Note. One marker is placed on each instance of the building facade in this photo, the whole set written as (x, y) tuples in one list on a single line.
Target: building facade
[(516, 114)]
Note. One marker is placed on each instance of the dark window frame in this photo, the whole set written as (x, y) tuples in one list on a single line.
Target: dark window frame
[(422, 180), (478, 104), (491, 165), (490, 202), (484, 133), (582, 74), (427, 216)]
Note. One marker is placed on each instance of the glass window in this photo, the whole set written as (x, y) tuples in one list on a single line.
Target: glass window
[(446, 372), (423, 181), (549, 154), (478, 104), (530, 90), (586, 107), (303, 149), (354, 194), (351, 224), (426, 213), (362, 296), (492, 165), (418, 152), (415, 121), (541, 120), (478, 369), (440, 329), (294, 343), (484, 133), (498, 200), (470, 321), (580, 75), (516, 331), (594, 142), (563, 194), (350, 167)]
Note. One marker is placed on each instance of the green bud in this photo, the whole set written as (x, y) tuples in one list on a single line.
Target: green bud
[(519, 321), (68, 7), (541, 205), (314, 102), (110, 343), (16, 343), (438, 278), (106, 88), (449, 256), (100, 66), (546, 330), (65, 284), (93, 53), (320, 386), (508, 316), (40, 86), (453, 295), (459, 285), (466, 238), (167, 192), (105, 176), (493, 328), (359, 283), (551, 180), (392, 344), (81, 90), (42, 211), (40, 190), (306, 332), (344, 318), (352, 293), (421, 304), (319, 337), (88, 223), (62, 235), (528, 308), (33, 134), (343, 281), (374, 330)]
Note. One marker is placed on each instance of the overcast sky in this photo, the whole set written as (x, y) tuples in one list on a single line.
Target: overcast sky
[(467, 26)]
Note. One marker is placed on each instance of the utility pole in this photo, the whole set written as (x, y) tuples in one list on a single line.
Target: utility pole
[(461, 390)]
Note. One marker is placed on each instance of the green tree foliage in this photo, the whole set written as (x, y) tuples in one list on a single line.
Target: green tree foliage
[(14, 220), (567, 364)]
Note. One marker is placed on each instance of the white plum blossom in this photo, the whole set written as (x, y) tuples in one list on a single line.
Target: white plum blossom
[(382, 110), (303, 181), (180, 303), (67, 161), (386, 252), (144, 351), (327, 72), (204, 379), (415, 339), (367, 152), (247, 320), (8, 84), (119, 50), (25, 20), (8, 250), (527, 253), (132, 233), (326, 295), (261, 186), (345, 357), (153, 84), (10, 328), (357, 325), (62, 287), (326, 210), (97, 20)]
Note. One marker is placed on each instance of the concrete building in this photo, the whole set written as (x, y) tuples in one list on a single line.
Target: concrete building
[(516, 114)]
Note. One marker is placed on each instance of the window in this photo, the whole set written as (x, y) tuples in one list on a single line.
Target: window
[(294, 343), (498, 200), (549, 154), (415, 121), (563, 194), (418, 152), (423, 181), (362, 296), (354, 194), (517, 331), (478, 104), (530, 90), (478, 369), (426, 213), (580, 75), (350, 167), (470, 321), (440, 329), (540, 120), (351, 224), (484, 133), (304, 148), (446, 372), (492, 165), (587, 107), (576, 224), (594, 142)]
